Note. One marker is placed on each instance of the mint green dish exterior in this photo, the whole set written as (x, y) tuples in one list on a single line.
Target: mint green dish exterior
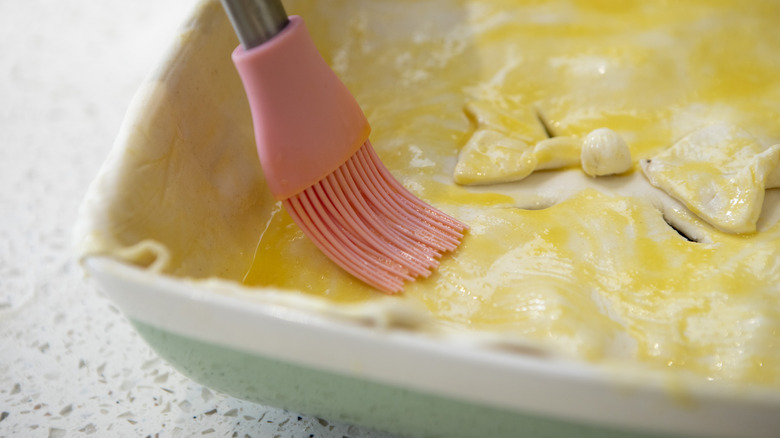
[(408, 383), (357, 401)]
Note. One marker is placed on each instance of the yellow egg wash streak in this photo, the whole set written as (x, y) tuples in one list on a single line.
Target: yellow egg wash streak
[(593, 271)]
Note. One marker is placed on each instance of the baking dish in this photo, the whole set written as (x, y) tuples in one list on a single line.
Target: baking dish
[(358, 363)]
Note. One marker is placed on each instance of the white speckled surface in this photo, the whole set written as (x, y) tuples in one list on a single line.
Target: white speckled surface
[(70, 364)]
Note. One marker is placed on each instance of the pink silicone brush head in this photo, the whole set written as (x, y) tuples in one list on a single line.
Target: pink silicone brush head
[(312, 139)]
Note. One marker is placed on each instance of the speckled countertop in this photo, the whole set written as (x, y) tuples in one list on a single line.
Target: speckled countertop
[(70, 364)]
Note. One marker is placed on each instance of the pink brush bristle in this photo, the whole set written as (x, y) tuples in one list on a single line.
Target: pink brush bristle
[(312, 141), (364, 220)]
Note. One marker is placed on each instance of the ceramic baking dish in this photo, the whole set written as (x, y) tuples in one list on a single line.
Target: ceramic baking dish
[(360, 365)]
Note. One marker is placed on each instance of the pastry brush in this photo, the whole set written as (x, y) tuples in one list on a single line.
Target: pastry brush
[(312, 141)]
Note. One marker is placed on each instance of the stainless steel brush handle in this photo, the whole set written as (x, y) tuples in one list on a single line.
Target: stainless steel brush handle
[(255, 21)]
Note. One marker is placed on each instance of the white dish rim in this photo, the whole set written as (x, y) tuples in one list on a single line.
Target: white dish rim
[(452, 368)]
